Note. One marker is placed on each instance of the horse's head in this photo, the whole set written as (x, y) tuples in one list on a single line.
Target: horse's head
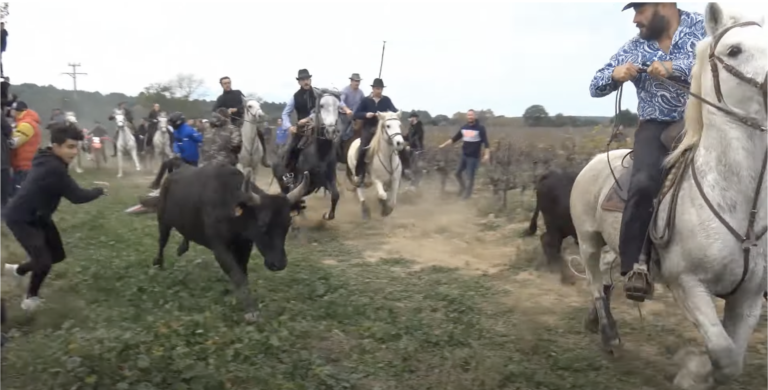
[(329, 114), (162, 121), (732, 62), (119, 119), (390, 122), (70, 117), (252, 111)]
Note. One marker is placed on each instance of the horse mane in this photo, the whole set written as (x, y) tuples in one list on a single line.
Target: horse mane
[(328, 91), (377, 135), (694, 119)]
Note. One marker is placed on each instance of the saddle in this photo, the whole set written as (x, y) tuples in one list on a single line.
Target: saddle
[(616, 198)]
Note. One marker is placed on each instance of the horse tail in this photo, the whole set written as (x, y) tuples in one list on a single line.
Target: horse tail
[(166, 166), (350, 176), (533, 226)]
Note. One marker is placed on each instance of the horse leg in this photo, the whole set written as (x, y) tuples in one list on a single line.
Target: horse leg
[(331, 186), (382, 194), (363, 206), (600, 319), (394, 188), (119, 162), (135, 157), (726, 355), (78, 164)]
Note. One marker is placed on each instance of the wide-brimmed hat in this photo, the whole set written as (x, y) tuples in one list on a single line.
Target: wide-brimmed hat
[(632, 6), (378, 83), (355, 77), (303, 74), (413, 115)]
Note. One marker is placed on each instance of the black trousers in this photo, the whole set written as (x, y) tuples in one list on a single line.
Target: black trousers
[(645, 183), (365, 140), (292, 157), (42, 242)]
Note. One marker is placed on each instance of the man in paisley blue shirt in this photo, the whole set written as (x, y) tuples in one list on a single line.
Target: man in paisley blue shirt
[(667, 41)]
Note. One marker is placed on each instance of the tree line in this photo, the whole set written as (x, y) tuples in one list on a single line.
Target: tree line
[(183, 93)]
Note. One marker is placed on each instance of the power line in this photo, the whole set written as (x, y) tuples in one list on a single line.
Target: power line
[(74, 73)]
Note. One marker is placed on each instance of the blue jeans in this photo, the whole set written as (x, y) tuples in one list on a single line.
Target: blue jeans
[(18, 180), (470, 165)]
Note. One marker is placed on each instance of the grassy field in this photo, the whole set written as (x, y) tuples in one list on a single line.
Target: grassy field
[(441, 295)]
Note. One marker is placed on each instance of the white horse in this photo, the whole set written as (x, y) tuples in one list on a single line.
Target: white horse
[(161, 142), (126, 143), (712, 246), (250, 154), (383, 165)]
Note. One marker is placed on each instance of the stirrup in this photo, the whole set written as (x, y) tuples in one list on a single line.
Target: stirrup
[(647, 289)]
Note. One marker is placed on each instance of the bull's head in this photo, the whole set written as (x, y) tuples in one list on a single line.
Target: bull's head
[(267, 219)]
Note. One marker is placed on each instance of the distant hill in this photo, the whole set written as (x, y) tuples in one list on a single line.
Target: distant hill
[(94, 106)]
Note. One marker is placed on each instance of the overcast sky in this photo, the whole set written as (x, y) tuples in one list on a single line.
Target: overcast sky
[(441, 56)]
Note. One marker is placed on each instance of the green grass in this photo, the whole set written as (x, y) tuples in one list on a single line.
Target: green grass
[(113, 322)]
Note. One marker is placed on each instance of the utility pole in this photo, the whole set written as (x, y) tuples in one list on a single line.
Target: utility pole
[(74, 75)]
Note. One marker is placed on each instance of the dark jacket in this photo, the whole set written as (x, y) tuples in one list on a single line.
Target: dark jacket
[(6, 149), (370, 105), (231, 99), (474, 137), (416, 136), (304, 101), (47, 183), (99, 131)]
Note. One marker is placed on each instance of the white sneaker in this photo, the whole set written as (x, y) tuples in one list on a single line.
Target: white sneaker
[(31, 304), (11, 268)]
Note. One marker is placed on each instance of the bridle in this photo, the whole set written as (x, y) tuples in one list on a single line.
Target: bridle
[(389, 138), (750, 238), (714, 60)]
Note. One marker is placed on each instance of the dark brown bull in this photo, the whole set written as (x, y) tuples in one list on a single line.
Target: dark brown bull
[(553, 194), (216, 206)]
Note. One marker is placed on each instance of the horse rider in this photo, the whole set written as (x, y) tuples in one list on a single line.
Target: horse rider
[(366, 111), (303, 102), (152, 127), (232, 99), (667, 40), (185, 139), (128, 120), (57, 117), (351, 96), (222, 142), (415, 137)]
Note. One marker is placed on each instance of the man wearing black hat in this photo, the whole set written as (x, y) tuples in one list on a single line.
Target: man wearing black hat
[(232, 100), (366, 111), (303, 102), (667, 41)]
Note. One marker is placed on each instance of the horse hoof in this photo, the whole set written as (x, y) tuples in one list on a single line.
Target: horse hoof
[(328, 216), (251, 317)]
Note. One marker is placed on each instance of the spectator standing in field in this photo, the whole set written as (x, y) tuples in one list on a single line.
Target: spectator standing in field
[(29, 215), (281, 133), (25, 142), (475, 138)]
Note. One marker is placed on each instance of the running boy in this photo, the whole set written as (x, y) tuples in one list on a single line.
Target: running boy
[(29, 214)]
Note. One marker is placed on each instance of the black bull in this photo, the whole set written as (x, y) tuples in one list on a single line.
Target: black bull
[(553, 194), (228, 215)]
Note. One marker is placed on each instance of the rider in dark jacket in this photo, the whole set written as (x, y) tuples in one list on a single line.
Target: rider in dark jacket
[(232, 99)]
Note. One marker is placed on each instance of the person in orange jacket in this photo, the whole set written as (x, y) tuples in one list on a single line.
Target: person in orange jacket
[(25, 142)]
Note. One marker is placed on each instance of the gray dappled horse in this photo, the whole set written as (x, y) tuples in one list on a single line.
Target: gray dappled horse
[(318, 155)]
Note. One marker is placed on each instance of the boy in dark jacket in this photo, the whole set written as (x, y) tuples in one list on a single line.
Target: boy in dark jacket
[(29, 213)]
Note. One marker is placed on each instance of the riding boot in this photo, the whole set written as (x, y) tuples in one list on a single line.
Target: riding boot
[(405, 159), (264, 159), (360, 168)]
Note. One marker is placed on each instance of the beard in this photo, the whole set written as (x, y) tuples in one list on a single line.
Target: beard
[(655, 28)]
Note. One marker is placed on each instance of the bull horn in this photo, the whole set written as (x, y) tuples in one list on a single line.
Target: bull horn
[(295, 195), (253, 199)]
